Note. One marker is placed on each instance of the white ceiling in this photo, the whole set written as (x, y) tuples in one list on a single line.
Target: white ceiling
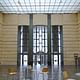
[(40, 6)]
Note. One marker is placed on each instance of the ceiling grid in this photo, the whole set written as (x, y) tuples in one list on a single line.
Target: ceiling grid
[(39, 6)]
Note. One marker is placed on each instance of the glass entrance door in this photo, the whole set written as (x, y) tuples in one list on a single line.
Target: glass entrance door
[(23, 60), (23, 45), (55, 59), (56, 45), (40, 44)]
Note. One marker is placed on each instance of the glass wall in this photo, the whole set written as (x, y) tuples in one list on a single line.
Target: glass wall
[(40, 46), (39, 39), (56, 44), (23, 43)]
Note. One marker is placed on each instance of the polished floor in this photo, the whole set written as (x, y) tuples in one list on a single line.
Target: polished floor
[(35, 73)]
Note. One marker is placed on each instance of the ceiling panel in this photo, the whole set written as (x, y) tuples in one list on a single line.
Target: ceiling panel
[(39, 6)]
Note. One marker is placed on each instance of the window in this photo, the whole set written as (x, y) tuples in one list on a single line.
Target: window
[(56, 39), (23, 44), (56, 45), (40, 39)]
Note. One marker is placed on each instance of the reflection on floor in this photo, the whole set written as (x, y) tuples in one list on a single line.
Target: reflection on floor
[(72, 71), (35, 73)]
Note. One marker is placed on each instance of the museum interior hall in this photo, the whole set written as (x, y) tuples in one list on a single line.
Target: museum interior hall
[(39, 39)]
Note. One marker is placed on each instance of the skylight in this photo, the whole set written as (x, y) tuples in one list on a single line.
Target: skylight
[(39, 6)]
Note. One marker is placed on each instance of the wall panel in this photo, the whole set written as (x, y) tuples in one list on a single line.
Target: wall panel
[(9, 48), (79, 31), (39, 19), (9, 33), (70, 43), (70, 19), (57, 19), (1, 22), (0, 43)]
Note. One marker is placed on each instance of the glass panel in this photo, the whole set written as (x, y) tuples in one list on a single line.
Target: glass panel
[(38, 42), (33, 58), (38, 49), (59, 42), (40, 39), (51, 49), (23, 44), (38, 29), (42, 43), (45, 42), (34, 30), (56, 32), (59, 59), (55, 59), (46, 35), (25, 60), (59, 49), (37, 35), (46, 50), (45, 29), (34, 36), (42, 35), (38, 57), (42, 49), (34, 44), (34, 41), (34, 49), (20, 60), (21, 39)]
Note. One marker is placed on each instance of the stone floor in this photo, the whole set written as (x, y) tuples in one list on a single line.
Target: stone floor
[(35, 73), (72, 71)]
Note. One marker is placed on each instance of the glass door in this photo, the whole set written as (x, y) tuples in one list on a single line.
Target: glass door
[(23, 43), (40, 45), (56, 45)]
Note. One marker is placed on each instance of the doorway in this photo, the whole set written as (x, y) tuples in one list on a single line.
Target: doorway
[(57, 45), (40, 45)]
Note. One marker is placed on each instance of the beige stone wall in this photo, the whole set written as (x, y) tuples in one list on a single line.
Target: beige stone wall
[(57, 19), (70, 35), (70, 38), (79, 31), (9, 47), (1, 22), (70, 43), (9, 40), (0, 43), (40, 19), (23, 19), (9, 28)]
